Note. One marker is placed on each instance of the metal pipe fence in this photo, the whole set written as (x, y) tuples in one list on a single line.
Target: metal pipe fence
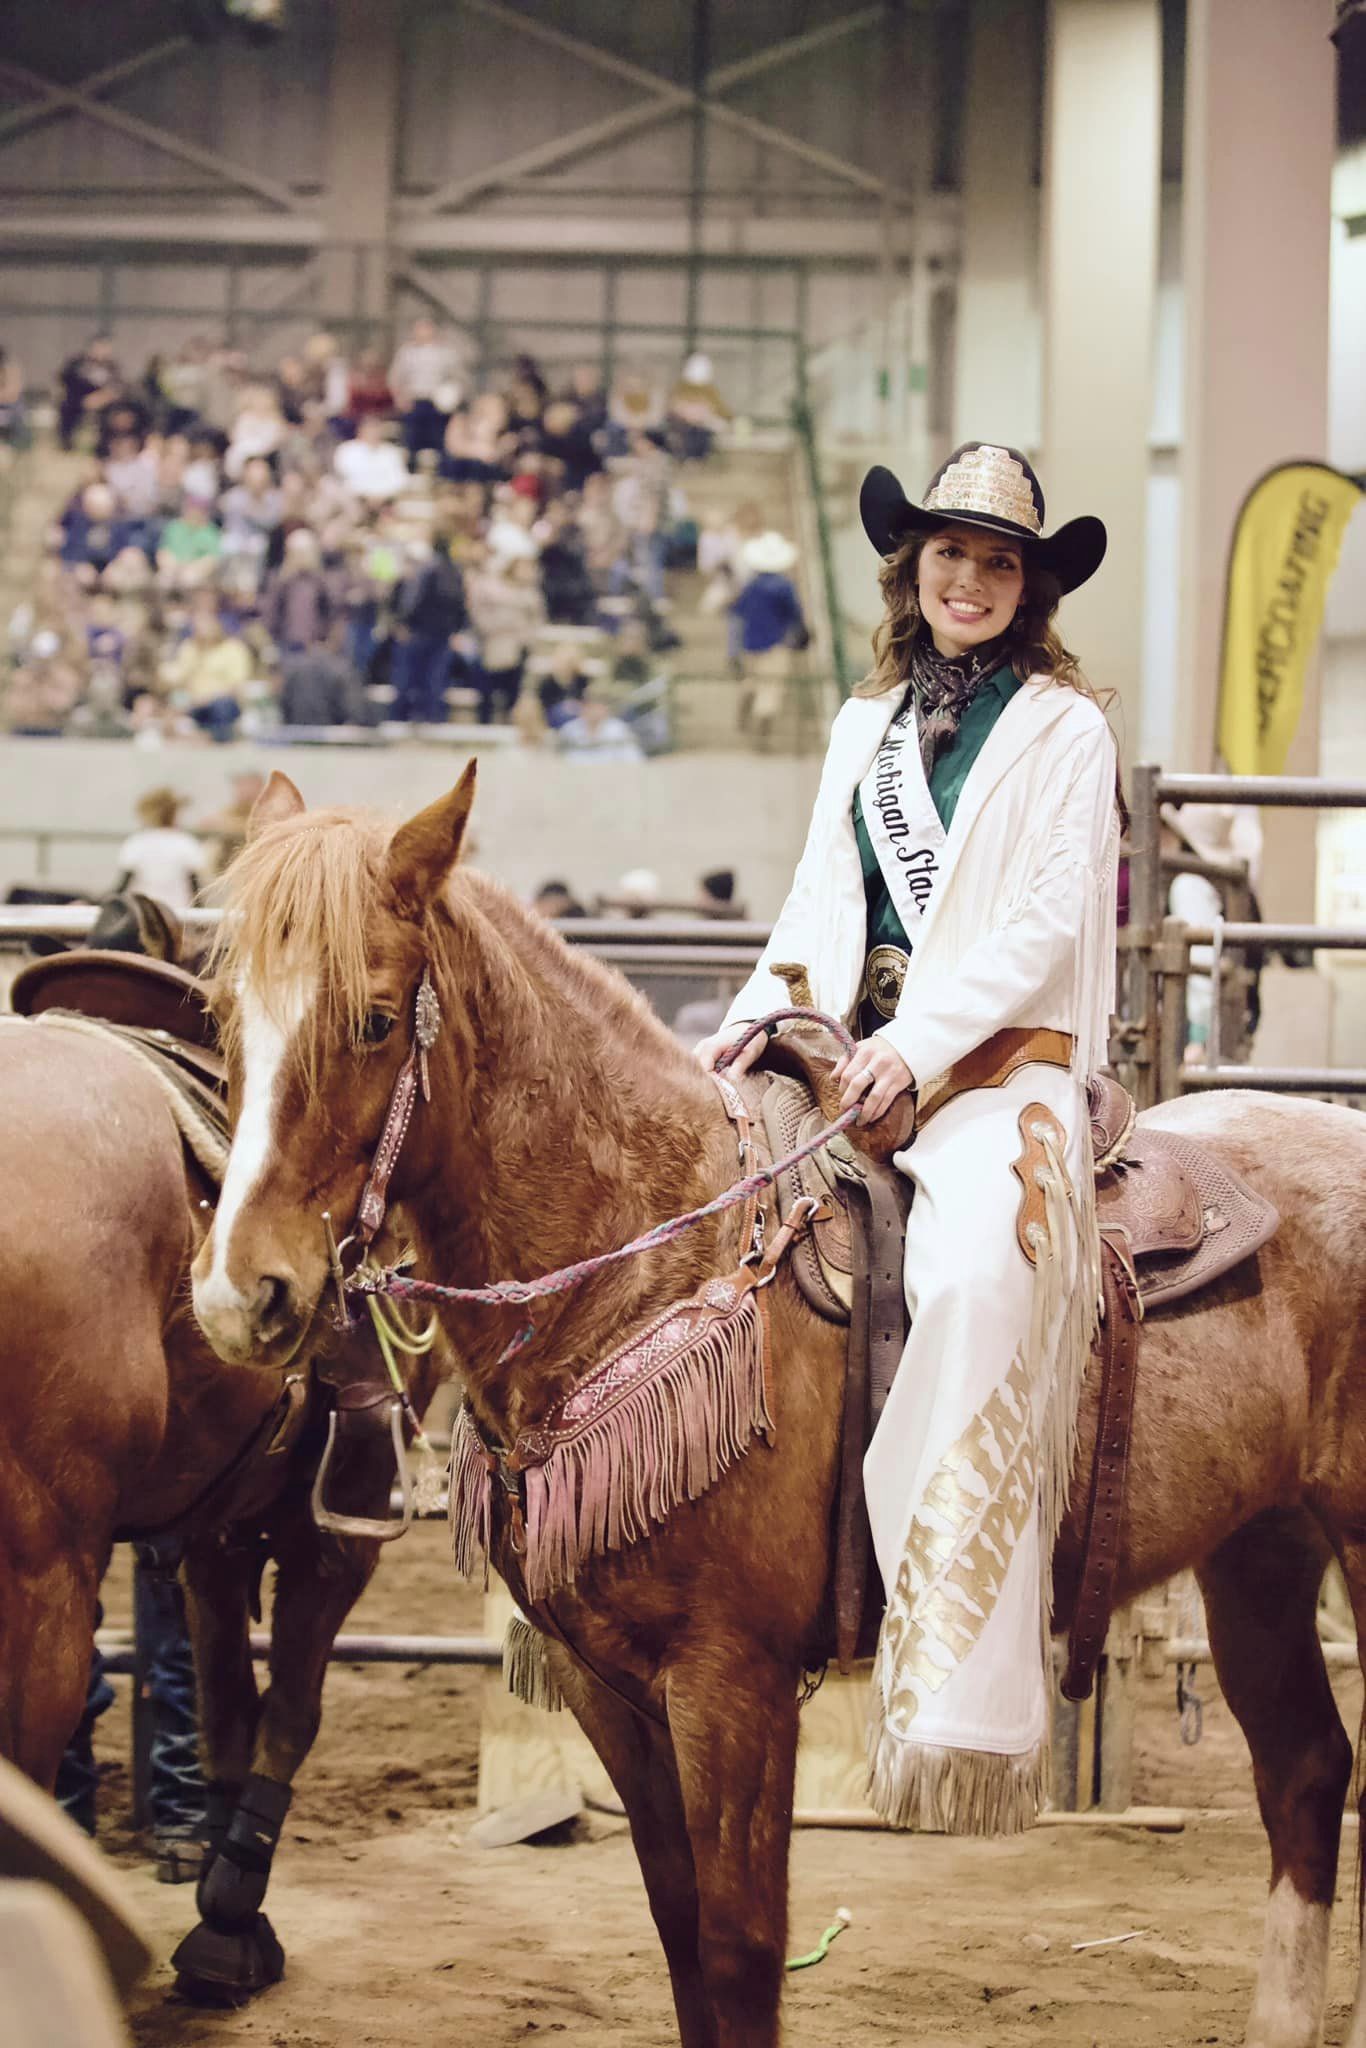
[(1156, 949)]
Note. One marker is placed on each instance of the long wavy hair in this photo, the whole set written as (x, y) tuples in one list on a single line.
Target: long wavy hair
[(1032, 640)]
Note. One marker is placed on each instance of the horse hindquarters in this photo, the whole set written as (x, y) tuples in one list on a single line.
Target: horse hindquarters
[(1261, 1589)]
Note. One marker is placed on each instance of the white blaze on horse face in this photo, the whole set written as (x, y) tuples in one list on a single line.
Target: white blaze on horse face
[(267, 1030), (1292, 1982)]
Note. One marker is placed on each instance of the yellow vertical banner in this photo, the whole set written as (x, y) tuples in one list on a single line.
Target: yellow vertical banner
[(1285, 548)]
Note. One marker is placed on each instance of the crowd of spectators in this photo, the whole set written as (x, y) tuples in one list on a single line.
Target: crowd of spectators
[(339, 543)]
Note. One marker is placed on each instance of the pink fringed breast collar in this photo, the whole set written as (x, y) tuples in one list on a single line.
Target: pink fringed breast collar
[(655, 1424)]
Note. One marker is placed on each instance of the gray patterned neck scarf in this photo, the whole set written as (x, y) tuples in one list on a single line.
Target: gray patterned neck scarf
[(943, 686)]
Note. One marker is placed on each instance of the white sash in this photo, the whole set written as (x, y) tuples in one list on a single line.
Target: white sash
[(905, 828)]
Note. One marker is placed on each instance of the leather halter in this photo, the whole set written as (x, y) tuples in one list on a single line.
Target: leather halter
[(413, 1075)]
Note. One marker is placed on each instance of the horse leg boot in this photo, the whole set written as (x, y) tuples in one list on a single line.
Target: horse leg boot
[(223, 1964), (735, 1739), (1261, 1588), (1352, 1553), (638, 1757)]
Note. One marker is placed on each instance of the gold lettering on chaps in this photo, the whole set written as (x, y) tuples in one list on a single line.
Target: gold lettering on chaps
[(974, 1510)]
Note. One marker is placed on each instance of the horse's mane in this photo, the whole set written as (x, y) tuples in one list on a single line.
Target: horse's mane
[(298, 903)]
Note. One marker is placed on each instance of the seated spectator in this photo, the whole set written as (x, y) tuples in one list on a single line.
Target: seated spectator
[(371, 465), (557, 899), (567, 437), (696, 411), (588, 397), (190, 547), (88, 381), (640, 500), (131, 471), (44, 689), (427, 378), (55, 606), (367, 390), (716, 895), (571, 598), (604, 537), (771, 625), (184, 384), (429, 615), (203, 473), (100, 714), (327, 379), (250, 513), (525, 399), (301, 603), (258, 429), (294, 389), (320, 687), (105, 639), (633, 409), (596, 733), (209, 672), (470, 455), (160, 860), (14, 431), (373, 564), (93, 532), (632, 662), (561, 686), (128, 415), (507, 611)]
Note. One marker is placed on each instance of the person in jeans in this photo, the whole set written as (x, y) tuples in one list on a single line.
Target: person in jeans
[(429, 614), (175, 1788)]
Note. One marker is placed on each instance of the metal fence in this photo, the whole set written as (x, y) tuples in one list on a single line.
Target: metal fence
[(1155, 949)]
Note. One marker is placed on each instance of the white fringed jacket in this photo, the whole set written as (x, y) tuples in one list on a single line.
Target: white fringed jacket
[(1021, 927)]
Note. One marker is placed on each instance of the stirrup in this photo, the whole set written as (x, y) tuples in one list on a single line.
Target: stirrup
[(385, 1529)]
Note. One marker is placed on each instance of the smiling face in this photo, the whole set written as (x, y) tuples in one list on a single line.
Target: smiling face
[(969, 584)]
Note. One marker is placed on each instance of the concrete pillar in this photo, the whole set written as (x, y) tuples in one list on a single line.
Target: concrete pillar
[(362, 127), (1259, 149), (1103, 82), (997, 371)]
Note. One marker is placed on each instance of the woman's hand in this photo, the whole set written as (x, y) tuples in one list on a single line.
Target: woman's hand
[(875, 1071), (709, 1050)]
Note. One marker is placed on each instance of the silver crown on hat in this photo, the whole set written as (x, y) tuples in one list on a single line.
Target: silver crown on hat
[(990, 481)]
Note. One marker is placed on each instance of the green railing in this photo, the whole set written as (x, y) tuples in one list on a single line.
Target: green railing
[(804, 427)]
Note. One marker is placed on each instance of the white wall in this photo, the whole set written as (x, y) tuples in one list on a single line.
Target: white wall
[(536, 815)]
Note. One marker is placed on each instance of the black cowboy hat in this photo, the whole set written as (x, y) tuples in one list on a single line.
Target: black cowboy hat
[(983, 484)]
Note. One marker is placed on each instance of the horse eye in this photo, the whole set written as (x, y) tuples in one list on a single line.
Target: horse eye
[(378, 1024)]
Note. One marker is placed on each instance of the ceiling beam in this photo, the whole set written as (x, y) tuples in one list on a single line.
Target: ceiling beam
[(51, 103), (74, 100), (665, 100)]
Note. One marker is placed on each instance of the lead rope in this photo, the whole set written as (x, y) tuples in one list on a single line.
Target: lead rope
[(394, 1335)]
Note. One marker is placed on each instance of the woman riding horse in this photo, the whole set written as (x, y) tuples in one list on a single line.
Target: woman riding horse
[(957, 892)]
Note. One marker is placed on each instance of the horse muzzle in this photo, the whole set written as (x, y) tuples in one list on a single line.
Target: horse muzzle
[(261, 1323)]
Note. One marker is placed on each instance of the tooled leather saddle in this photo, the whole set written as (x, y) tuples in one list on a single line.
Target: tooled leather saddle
[(1173, 1219), (161, 1010)]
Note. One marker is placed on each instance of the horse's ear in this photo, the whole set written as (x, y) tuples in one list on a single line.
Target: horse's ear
[(423, 852), (277, 801)]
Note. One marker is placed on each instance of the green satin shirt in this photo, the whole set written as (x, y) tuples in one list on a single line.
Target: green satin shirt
[(947, 777)]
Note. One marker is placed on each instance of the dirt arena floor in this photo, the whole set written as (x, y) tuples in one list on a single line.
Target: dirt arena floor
[(400, 1934)]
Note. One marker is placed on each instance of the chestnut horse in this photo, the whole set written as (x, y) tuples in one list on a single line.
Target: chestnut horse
[(563, 1120), (117, 1417)]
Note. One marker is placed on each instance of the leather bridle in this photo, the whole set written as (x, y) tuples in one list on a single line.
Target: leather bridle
[(413, 1076)]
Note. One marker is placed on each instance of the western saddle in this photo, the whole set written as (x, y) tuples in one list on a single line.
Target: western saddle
[(1173, 1219), (159, 1011)]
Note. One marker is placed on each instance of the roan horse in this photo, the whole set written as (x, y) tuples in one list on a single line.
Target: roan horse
[(563, 1120), (118, 1419)]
